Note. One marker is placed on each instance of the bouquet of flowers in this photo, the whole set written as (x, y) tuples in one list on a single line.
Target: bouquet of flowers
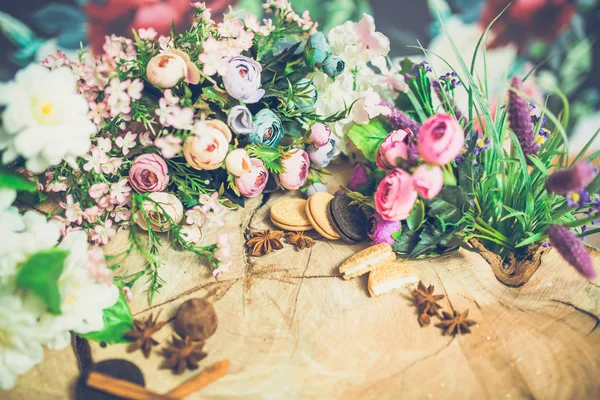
[(159, 134), (499, 178)]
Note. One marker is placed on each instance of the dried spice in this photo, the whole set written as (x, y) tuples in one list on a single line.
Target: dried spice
[(197, 319), (424, 320), (142, 333), (455, 323), (182, 354), (263, 242), (426, 301), (299, 240)]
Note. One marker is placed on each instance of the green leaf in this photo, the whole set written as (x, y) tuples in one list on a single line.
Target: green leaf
[(367, 138), (448, 206), (40, 274), (432, 240), (117, 321), (417, 216), (12, 180), (397, 235), (406, 242)]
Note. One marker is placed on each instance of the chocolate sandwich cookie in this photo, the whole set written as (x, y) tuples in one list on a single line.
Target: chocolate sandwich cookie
[(349, 221)]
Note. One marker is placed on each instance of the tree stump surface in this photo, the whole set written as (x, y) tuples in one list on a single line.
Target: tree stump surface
[(294, 329)]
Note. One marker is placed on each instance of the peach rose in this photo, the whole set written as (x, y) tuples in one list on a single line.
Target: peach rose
[(162, 210), (208, 147), (238, 162), (166, 69)]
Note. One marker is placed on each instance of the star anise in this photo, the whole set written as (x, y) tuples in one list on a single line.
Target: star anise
[(142, 335), (299, 240), (455, 323), (182, 354), (426, 301), (263, 242)]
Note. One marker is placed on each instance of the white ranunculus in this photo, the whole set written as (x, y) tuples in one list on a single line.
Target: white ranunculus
[(83, 297), (20, 346), (45, 120), (499, 61)]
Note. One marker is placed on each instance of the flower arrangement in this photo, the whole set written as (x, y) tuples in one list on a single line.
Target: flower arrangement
[(495, 179), (157, 136), (169, 132)]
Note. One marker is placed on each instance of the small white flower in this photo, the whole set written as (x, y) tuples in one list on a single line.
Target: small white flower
[(126, 142), (45, 120)]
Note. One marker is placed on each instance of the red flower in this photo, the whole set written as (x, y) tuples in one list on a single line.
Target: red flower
[(121, 16), (526, 20)]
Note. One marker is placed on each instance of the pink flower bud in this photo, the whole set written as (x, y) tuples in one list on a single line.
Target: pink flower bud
[(238, 162), (253, 183), (440, 140), (428, 180), (393, 148), (320, 134), (395, 196), (149, 173), (295, 170)]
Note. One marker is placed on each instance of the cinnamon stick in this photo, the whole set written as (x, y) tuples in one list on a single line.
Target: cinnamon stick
[(122, 388), (204, 378)]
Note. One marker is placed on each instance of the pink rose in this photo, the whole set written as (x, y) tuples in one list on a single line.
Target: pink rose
[(320, 134), (440, 140), (238, 162), (166, 69), (148, 174), (395, 196), (209, 145), (391, 149), (295, 170), (428, 180), (254, 182)]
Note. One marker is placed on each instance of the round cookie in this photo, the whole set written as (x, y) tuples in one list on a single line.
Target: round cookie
[(289, 214), (316, 211), (348, 220)]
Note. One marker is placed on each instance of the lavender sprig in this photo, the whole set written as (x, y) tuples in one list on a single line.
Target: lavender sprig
[(573, 179), (399, 120), (519, 119), (572, 250)]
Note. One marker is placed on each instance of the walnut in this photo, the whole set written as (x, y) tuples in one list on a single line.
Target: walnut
[(197, 319)]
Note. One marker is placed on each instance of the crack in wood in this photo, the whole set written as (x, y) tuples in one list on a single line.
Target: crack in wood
[(582, 311)]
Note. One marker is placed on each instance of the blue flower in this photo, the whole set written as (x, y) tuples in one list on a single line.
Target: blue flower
[(268, 129)]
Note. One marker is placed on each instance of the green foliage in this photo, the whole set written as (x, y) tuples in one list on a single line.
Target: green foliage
[(40, 274), (271, 156), (367, 138), (117, 321), (12, 180)]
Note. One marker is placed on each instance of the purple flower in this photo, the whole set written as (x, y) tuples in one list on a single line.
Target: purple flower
[(572, 250), (361, 181), (519, 119), (399, 120), (577, 199), (381, 230), (573, 179)]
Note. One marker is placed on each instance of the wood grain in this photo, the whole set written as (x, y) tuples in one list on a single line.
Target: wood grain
[(293, 329)]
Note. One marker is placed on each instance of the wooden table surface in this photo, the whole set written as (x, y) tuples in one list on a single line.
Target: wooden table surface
[(293, 329)]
